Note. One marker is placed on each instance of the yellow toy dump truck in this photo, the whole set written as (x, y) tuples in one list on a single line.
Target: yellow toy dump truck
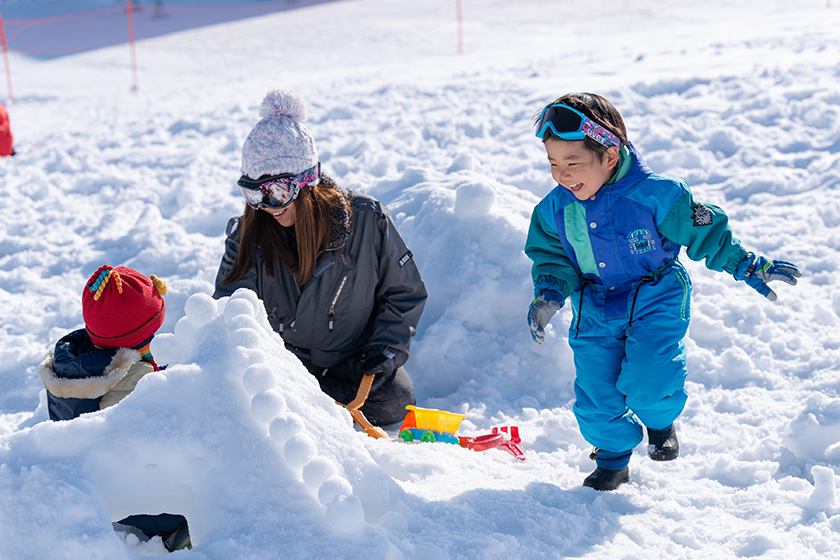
[(428, 424)]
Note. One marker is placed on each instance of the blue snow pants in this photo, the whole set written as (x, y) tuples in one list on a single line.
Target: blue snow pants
[(629, 361)]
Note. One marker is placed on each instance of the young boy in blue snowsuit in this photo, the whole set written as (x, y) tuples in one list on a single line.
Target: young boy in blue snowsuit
[(608, 237), (96, 367)]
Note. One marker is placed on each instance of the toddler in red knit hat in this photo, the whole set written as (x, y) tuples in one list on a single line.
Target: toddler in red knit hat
[(96, 367)]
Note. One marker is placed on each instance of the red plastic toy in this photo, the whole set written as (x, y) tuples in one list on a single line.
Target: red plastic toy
[(506, 436)]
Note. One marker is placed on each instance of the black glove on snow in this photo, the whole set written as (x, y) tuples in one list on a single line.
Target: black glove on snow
[(379, 361)]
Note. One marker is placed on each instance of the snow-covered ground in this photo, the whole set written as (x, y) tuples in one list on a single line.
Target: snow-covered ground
[(742, 99)]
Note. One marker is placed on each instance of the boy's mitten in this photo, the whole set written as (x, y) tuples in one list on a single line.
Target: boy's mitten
[(541, 311), (756, 272)]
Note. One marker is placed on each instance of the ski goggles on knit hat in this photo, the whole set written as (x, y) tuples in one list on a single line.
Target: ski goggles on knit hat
[(276, 191), (570, 124)]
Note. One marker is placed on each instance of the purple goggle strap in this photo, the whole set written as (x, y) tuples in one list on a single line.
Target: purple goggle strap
[(587, 127)]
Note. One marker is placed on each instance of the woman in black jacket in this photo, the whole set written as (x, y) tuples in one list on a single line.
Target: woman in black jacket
[(335, 276)]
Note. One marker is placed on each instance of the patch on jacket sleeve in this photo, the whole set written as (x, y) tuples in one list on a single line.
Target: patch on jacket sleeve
[(405, 258), (702, 216)]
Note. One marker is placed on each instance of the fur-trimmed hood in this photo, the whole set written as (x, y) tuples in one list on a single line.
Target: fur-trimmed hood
[(91, 387)]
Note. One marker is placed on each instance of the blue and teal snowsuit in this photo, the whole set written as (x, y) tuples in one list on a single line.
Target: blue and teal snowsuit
[(616, 254)]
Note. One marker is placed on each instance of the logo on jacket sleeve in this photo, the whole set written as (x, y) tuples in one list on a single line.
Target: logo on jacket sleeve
[(405, 258), (641, 241), (702, 216)]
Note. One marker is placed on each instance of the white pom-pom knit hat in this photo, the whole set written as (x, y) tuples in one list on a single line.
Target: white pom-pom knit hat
[(279, 143)]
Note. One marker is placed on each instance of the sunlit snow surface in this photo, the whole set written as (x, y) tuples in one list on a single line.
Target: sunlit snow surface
[(740, 99)]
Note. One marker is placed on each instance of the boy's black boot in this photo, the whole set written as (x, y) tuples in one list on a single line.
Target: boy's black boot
[(605, 479), (663, 444)]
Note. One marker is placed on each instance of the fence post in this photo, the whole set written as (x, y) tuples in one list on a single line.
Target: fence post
[(129, 10), (6, 60)]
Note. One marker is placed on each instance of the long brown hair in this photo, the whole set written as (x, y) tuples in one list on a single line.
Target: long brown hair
[(313, 226)]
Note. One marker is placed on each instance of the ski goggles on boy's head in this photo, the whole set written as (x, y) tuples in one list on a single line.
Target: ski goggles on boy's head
[(276, 191), (570, 124)]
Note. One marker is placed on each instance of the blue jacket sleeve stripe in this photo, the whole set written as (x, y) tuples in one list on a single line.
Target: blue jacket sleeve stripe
[(577, 232)]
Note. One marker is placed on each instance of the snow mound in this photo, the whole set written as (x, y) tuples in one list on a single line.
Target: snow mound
[(237, 424), (813, 434)]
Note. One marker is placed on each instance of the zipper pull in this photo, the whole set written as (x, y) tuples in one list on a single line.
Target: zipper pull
[(335, 299)]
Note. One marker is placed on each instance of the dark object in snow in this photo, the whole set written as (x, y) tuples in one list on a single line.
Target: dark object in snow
[(172, 529), (663, 444), (605, 479)]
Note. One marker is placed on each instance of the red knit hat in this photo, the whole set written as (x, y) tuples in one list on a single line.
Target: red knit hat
[(121, 307)]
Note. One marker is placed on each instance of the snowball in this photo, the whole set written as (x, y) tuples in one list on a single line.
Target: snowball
[(284, 427), (345, 514), (186, 331), (267, 405), (474, 200), (200, 308), (739, 369), (239, 306), (243, 322), (258, 378), (374, 489), (299, 449), (332, 488), (824, 494), (316, 471), (246, 338), (247, 357), (464, 161), (812, 435), (166, 348)]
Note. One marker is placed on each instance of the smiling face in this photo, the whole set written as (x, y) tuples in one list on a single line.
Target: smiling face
[(579, 169), (284, 216)]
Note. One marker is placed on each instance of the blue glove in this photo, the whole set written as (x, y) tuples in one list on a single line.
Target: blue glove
[(541, 311), (756, 274)]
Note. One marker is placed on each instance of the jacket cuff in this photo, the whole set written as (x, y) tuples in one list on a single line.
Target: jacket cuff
[(734, 260), (547, 283)]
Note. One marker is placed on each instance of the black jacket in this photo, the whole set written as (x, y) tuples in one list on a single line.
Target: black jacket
[(366, 290)]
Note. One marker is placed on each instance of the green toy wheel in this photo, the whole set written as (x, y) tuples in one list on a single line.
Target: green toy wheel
[(406, 435), (428, 437)]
